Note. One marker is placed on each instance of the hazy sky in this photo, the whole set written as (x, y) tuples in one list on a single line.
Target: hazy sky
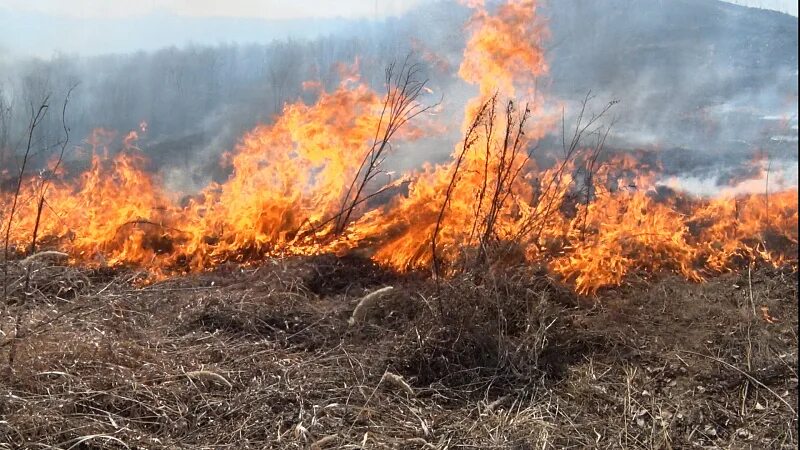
[(44, 27), (271, 9), (267, 9), (787, 6)]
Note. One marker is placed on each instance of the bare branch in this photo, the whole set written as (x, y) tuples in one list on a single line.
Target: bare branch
[(37, 116), (469, 140), (400, 106), (46, 180)]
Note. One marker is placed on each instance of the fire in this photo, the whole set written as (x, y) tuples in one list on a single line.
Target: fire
[(286, 182), (504, 49), (503, 52), (104, 217), (287, 177), (491, 204)]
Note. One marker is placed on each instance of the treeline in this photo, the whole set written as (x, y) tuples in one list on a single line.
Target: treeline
[(192, 97), (696, 75)]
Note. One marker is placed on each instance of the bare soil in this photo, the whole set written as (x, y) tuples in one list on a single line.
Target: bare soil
[(265, 357)]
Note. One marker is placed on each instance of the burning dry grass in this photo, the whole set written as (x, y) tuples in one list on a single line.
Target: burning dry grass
[(302, 185), (485, 207), (254, 358)]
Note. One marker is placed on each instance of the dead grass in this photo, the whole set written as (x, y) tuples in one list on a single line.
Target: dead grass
[(264, 358)]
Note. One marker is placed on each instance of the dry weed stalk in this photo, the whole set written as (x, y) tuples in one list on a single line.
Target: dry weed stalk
[(208, 375), (403, 88), (45, 184), (547, 200), (43, 255), (470, 138), (506, 154), (325, 441), (511, 160), (37, 116)]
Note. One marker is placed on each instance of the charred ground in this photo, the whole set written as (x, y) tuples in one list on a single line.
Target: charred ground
[(265, 357)]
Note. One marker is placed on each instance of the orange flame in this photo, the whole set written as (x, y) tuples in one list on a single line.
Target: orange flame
[(289, 179)]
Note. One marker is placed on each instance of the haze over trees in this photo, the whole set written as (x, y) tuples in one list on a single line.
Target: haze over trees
[(696, 75)]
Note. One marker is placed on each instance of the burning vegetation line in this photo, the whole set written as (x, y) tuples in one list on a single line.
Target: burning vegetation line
[(301, 185)]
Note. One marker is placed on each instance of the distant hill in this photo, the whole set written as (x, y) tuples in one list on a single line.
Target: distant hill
[(678, 40), (696, 72)]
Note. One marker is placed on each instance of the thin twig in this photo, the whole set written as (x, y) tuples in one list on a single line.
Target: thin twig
[(747, 375)]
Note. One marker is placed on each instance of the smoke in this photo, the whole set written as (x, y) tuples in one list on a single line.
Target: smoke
[(706, 84), (773, 176)]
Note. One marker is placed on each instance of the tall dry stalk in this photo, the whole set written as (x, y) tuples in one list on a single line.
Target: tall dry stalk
[(531, 230), (400, 105), (470, 137), (503, 160), (45, 180), (590, 169), (37, 116), (511, 160), (505, 155)]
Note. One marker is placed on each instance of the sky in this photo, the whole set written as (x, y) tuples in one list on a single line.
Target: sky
[(786, 6), (43, 28), (269, 9), (264, 9)]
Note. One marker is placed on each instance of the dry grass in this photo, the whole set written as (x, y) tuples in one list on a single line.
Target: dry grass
[(265, 358)]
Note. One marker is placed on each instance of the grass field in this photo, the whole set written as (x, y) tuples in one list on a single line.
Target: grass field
[(274, 357)]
